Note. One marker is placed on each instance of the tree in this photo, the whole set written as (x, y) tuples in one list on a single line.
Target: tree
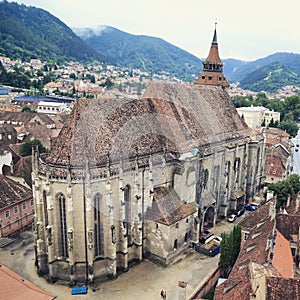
[(290, 126), (73, 76), (272, 123), (26, 148), (108, 83), (27, 109), (230, 249), (285, 188), (225, 255), (237, 237)]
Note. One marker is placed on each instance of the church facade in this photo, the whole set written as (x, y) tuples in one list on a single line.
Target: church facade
[(133, 179)]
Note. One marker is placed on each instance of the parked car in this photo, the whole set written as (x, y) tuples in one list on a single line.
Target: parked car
[(206, 237), (232, 218), (250, 207), (239, 212), (256, 205), (217, 240)]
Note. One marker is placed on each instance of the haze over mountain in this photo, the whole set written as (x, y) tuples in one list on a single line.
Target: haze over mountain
[(153, 54), (142, 52)]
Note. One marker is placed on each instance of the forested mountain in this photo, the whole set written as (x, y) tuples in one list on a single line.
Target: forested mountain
[(27, 32), (143, 52), (270, 78), (266, 74), (156, 55)]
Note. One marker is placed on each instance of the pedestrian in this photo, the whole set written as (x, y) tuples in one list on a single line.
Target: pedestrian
[(163, 294)]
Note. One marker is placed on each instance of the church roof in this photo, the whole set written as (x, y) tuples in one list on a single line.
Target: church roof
[(167, 208), (168, 118)]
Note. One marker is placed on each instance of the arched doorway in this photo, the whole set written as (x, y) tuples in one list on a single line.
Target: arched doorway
[(209, 218)]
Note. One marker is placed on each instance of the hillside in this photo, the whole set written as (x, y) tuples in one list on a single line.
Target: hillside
[(27, 32), (268, 74), (144, 52), (270, 78)]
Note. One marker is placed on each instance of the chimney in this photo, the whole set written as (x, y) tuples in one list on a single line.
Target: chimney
[(270, 195), (272, 209), (288, 201)]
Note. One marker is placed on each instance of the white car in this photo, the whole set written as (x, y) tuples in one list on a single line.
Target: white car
[(232, 218), (256, 205)]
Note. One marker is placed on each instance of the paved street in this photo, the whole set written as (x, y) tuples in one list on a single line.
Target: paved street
[(143, 281)]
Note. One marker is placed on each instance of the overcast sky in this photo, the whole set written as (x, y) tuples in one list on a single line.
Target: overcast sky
[(247, 30)]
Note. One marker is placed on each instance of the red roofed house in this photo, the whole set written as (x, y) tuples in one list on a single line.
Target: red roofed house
[(268, 264), (278, 155), (16, 206)]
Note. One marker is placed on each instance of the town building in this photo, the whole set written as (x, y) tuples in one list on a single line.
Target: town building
[(8, 135), (278, 155), (128, 179), (16, 206), (53, 108), (255, 116), (268, 264)]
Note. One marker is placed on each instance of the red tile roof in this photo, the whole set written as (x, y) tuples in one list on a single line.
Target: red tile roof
[(167, 208), (283, 259), (15, 287), (12, 192), (283, 288), (273, 261), (274, 166)]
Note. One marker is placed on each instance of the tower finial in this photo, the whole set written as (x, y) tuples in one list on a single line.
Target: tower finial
[(215, 34)]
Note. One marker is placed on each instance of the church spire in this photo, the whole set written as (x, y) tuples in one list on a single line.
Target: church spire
[(213, 67), (215, 35)]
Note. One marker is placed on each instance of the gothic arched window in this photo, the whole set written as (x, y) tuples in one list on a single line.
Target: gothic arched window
[(205, 178), (128, 213), (63, 241), (45, 208), (98, 226)]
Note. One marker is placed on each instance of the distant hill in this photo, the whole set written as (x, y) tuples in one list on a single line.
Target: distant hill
[(27, 32), (156, 55), (143, 52), (265, 74), (270, 78)]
